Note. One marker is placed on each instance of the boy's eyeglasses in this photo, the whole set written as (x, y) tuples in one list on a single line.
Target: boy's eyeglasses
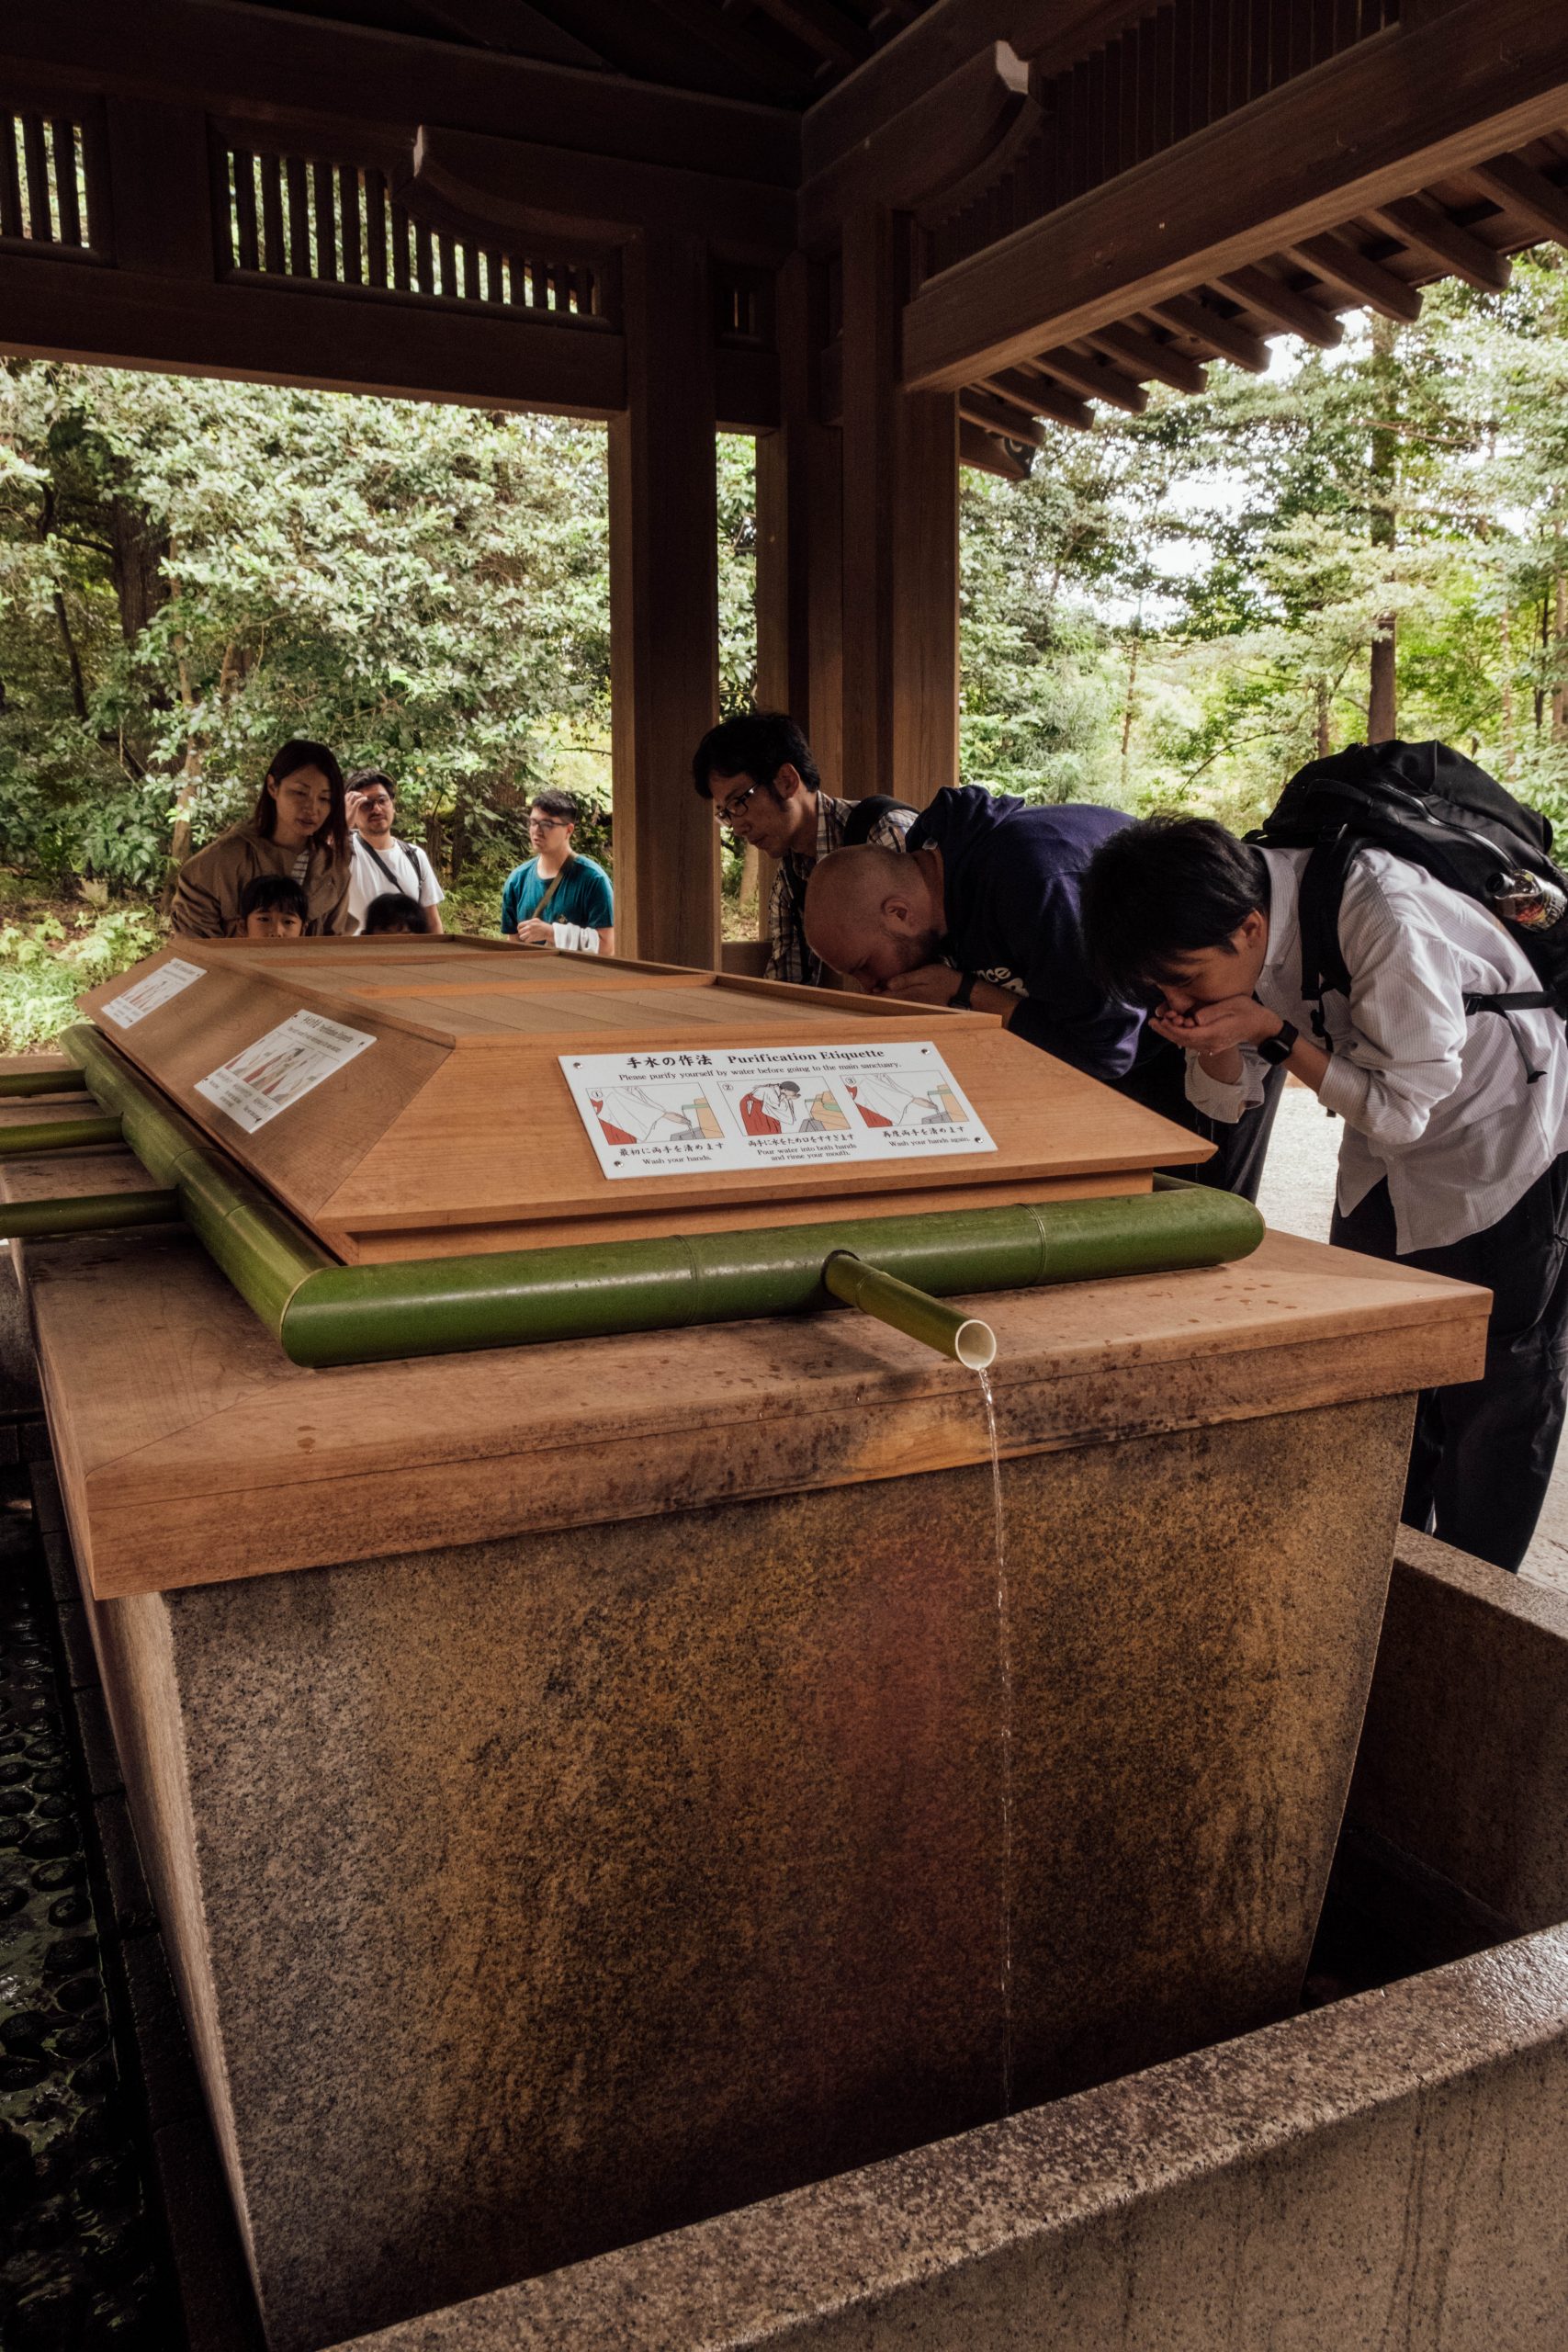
[(547, 824)]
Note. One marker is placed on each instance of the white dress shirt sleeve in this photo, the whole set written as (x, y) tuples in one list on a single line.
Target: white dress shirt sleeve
[(1217, 1100), (1407, 1019)]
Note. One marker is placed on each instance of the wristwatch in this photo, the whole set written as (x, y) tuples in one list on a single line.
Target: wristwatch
[(1278, 1049), (963, 996)]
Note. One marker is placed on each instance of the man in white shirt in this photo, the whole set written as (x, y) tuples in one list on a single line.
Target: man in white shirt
[(378, 861), (1455, 1153)]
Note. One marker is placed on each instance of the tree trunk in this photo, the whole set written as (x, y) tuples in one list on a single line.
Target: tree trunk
[(1320, 693), (73, 659), (1130, 707), (1506, 665), (138, 552), (1382, 696), (1560, 632), (189, 779)]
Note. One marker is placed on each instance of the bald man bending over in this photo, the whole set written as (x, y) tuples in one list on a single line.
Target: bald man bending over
[(981, 908)]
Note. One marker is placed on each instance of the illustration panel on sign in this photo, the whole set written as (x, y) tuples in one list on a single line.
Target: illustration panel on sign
[(658, 1115), (133, 1004), (255, 1085)]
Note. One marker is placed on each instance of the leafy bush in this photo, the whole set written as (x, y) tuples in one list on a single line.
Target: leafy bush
[(45, 965)]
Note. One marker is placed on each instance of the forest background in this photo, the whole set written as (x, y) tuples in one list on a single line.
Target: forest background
[(1174, 611)]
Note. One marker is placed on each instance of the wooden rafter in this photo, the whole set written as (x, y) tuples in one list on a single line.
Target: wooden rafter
[(1230, 337), (1095, 380), (1146, 356), (993, 415), (1518, 186), (1417, 221), (1282, 306), (1343, 265)]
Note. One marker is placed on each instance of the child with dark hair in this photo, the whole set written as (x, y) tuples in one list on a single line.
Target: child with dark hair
[(272, 906), (395, 911)]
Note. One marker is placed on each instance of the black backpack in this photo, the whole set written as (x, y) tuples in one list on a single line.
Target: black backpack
[(1435, 809)]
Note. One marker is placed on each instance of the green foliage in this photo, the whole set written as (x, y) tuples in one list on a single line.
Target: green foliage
[(47, 963)]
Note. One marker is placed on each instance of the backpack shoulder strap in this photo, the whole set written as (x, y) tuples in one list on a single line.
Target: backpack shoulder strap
[(867, 814), (1317, 911)]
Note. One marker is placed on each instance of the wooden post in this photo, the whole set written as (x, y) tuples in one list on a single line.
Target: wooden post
[(900, 559), (665, 605)]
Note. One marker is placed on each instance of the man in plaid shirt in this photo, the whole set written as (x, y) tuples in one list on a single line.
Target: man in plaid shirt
[(758, 771)]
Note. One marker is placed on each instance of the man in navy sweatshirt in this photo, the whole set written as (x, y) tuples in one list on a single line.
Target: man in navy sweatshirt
[(981, 908)]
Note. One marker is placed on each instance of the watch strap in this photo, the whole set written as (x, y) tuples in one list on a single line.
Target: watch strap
[(1277, 1049), (963, 996)]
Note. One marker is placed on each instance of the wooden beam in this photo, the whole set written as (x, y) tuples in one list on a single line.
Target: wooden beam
[(1145, 355), (992, 415), (900, 541), (664, 607), (986, 455), (337, 340), (914, 156), (1392, 114), (939, 43), (516, 188), (221, 55), (1339, 263), (1231, 338), (1418, 223), (1283, 307), (1511, 182), (1043, 398), (1096, 380)]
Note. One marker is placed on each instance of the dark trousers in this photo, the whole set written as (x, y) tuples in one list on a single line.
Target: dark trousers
[(1159, 1081), (1481, 1460)]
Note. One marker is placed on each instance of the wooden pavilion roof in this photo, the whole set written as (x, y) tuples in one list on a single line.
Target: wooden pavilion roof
[(777, 52)]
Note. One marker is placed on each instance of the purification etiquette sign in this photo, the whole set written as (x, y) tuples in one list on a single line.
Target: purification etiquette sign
[(289, 1061), (778, 1106)]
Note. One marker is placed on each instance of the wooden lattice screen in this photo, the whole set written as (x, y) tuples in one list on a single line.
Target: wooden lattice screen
[(43, 181), (338, 225)]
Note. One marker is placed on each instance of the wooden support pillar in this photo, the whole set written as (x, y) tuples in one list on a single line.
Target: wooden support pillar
[(800, 653), (664, 604), (900, 538)]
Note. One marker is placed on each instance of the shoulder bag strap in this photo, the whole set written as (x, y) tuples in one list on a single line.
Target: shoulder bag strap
[(539, 913)]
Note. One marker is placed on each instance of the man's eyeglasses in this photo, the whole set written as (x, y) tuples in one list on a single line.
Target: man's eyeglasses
[(547, 824), (729, 811)]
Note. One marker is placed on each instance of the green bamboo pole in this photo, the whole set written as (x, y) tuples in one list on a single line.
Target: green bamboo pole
[(15, 1084), (946, 1329), (87, 1212), (325, 1313), (56, 1135)]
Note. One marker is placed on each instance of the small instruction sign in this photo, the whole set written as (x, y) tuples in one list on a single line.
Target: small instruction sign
[(667, 1113), (134, 1005), (279, 1068)]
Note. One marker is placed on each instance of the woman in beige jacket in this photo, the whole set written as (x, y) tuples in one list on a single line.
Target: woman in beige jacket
[(299, 827)]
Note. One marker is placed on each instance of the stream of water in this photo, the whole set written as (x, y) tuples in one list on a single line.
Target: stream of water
[(1004, 1677)]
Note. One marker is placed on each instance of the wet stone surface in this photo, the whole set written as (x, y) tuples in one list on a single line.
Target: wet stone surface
[(81, 2259)]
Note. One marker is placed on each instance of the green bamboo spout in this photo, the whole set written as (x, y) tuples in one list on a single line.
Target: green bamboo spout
[(17, 1084), (946, 1329)]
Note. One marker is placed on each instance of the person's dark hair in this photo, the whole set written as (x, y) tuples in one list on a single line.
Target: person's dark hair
[(555, 804), (756, 744), (395, 911), (363, 778), (266, 894), (1160, 891), (299, 753)]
